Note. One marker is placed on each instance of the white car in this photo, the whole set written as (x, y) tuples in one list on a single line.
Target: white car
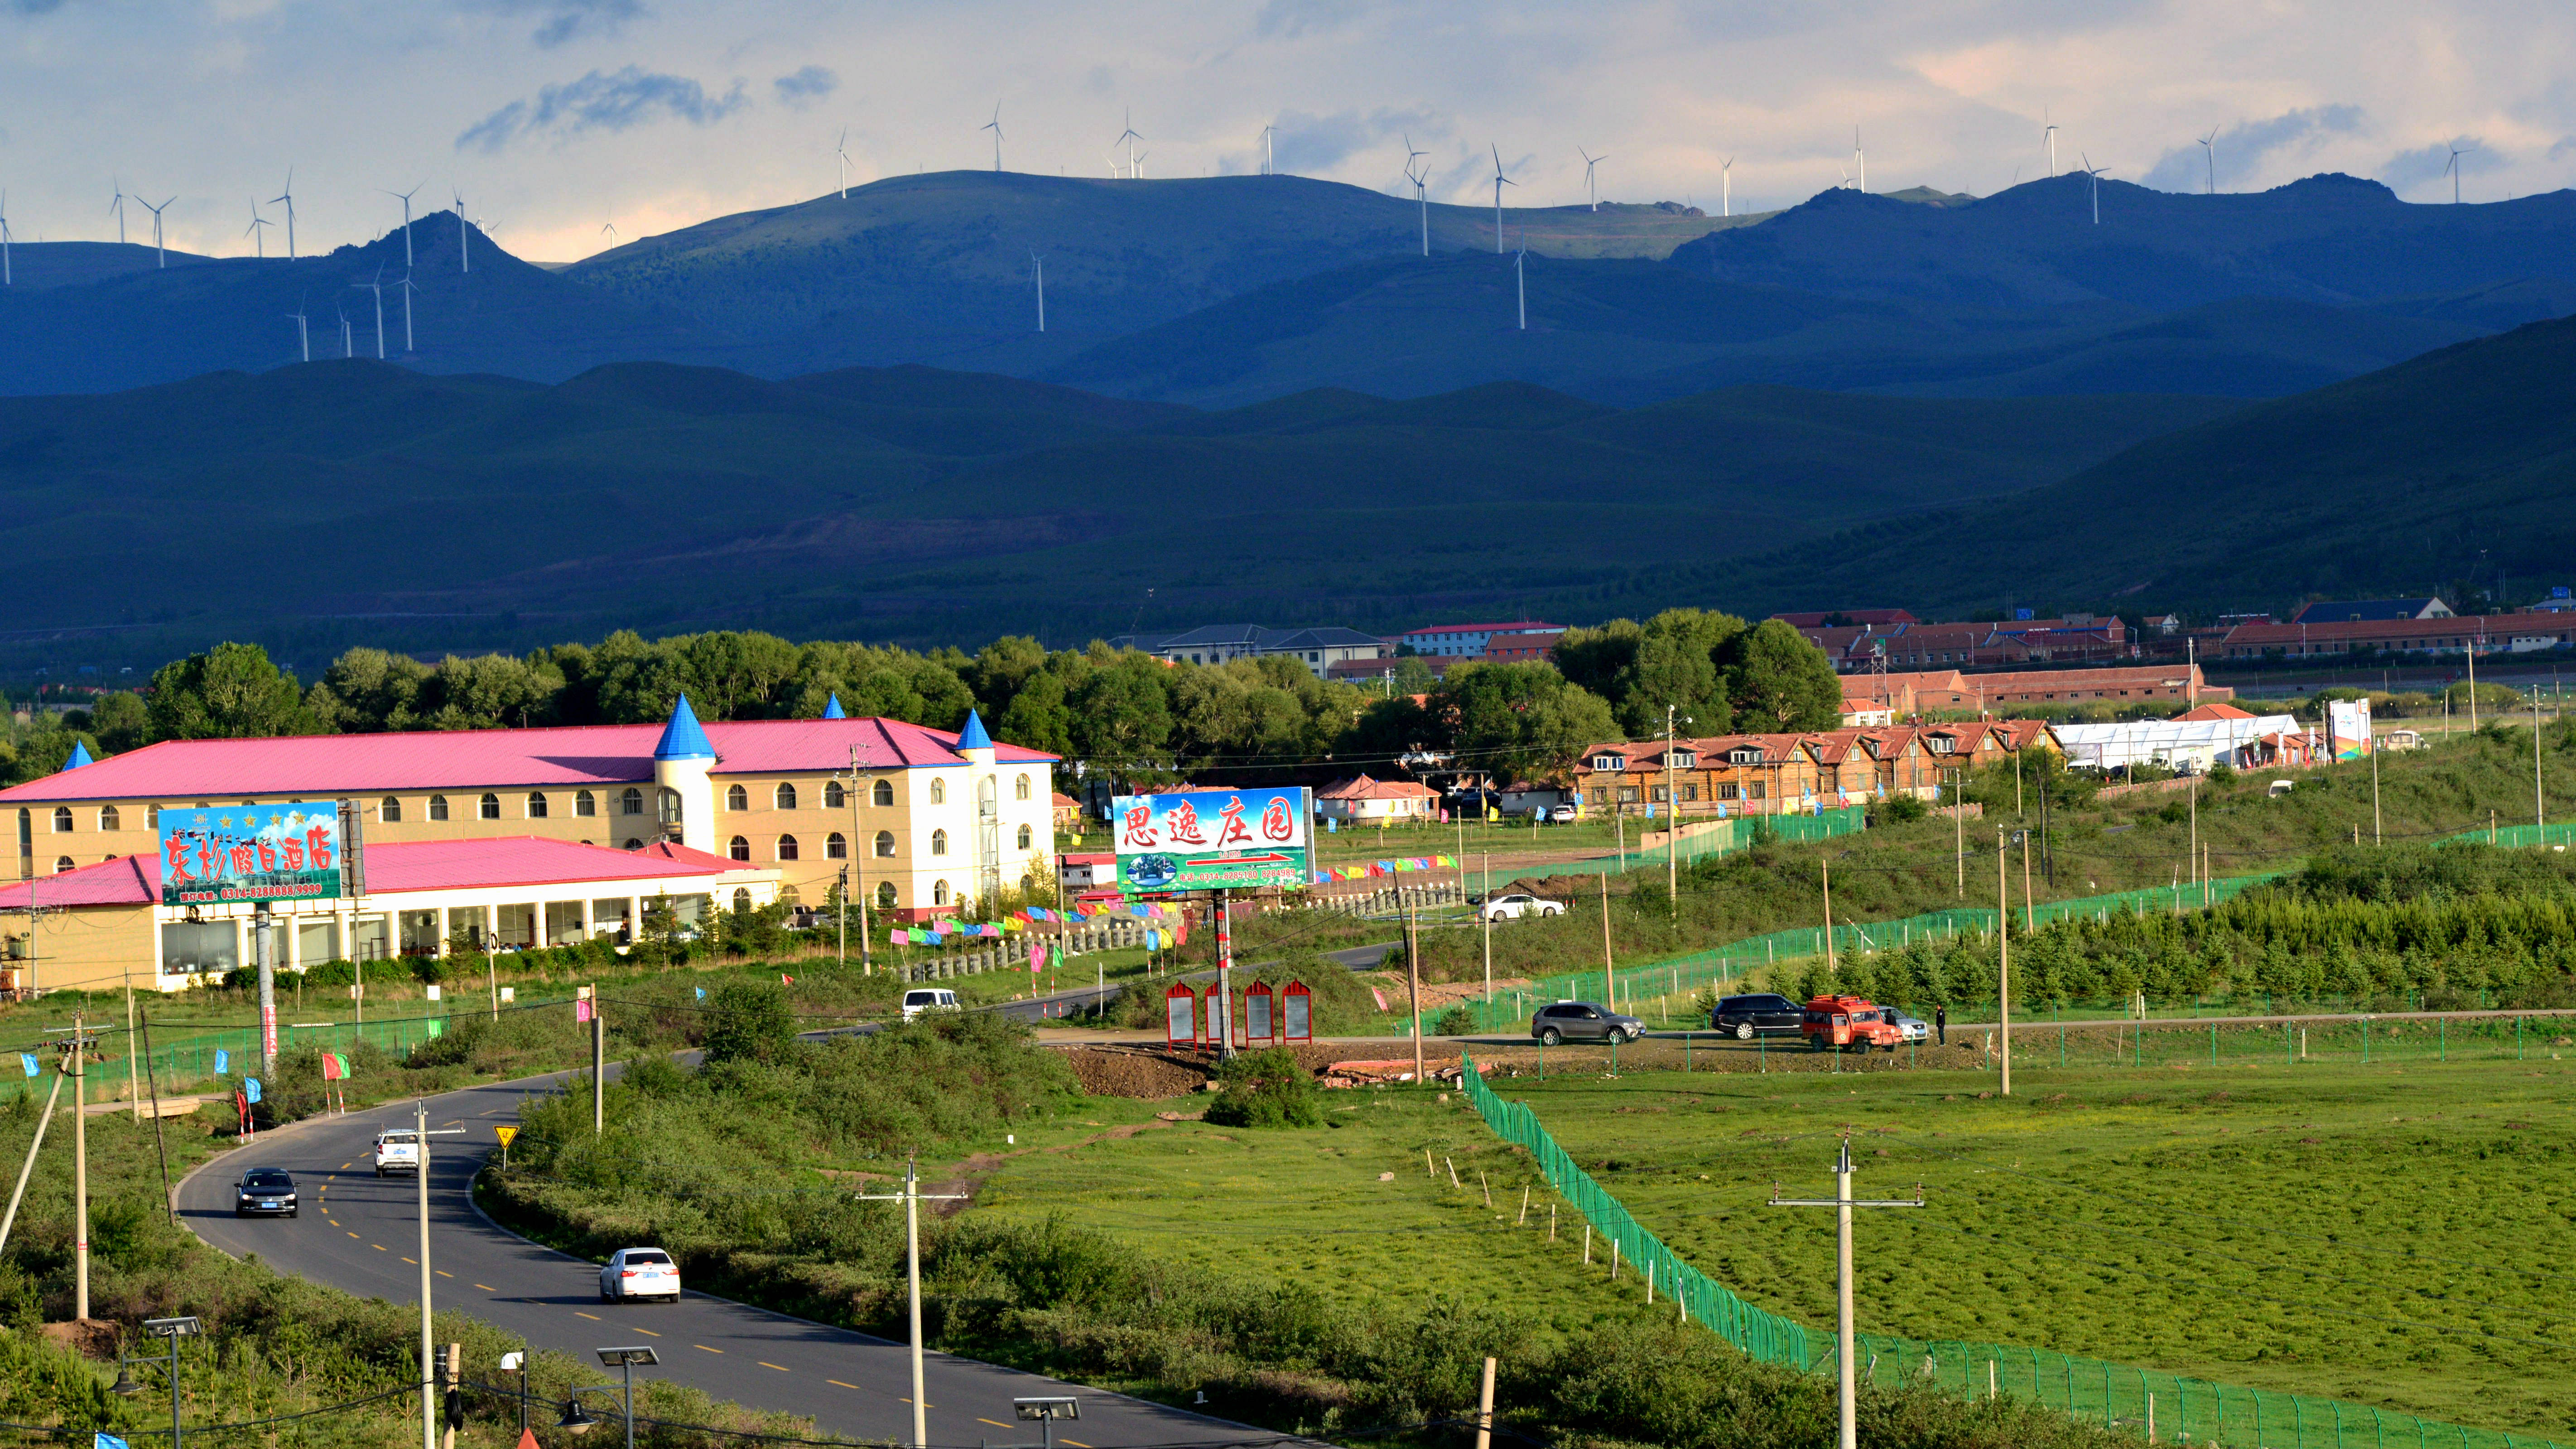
[(397, 1150), (633, 1273), (1516, 905), (922, 999)]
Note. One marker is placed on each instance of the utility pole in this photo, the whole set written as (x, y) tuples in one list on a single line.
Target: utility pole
[(77, 1069), (1828, 868), (1225, 984), (2539, 805), (1959, 827), (912, 1198), (2195, 820), (1672, 827), (1413, 985), (844, 887), (2371, 729), (263, 948), (428, 1349), (1607, 966), (2003, 951), (1842, 1202), (1486, 910), (598, 1064), (859, 878)]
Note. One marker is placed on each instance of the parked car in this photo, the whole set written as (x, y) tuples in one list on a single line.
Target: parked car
[(1561, 815), (264, 1190), (639, 1273), (397, 1150), (1512, 905), (928, 998), (1834, 1023), (1912, 1028), (1583, 1021), (1762, 1014)]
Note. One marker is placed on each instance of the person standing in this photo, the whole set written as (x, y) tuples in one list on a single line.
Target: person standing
[(1941, 1021)]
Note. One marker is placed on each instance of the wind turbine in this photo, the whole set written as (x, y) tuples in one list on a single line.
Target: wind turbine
[(1421, 196), (118, 206), (2094, 179), (2209, 150), (1860, 160), (2453, 166), (1269, 151), (464, 236), (841, 151), (995, 126), (346, 350), (303, 337), (1590, 163), (7, 278), (405, 197), (160, 257), (289, 199), (1500, 181), (1131, 138), (1137, 167), (1520, 279), (377, 286), (608, 229), (257, 231), (1726, 188), (1037, 269), (407, 290), (2048, 133)]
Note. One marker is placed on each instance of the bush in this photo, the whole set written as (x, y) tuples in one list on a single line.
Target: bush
[(749, 1021), (1899, 810), (1267, 1089), (1456, 1021)]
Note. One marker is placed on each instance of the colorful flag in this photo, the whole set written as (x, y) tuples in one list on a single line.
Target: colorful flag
[(581, 1011), (786, 980), (438, 1026), (1037, 956), (335, 1067), (702, 993), (101, 1439), (223, 1062), (250, 1089), (28, 1061), (1381, 998)]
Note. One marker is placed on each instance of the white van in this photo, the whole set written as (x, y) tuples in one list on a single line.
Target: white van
[(928, 998), (397, 1150)]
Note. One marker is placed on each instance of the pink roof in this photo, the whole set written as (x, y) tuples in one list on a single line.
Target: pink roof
[(1364, 788), (325, 765), (395, 868)]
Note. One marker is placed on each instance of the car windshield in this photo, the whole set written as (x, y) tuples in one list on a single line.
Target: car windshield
[(400, 1139), (267, 1181)]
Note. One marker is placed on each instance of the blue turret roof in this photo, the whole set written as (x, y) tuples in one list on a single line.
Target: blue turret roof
[(80, 756), (832, 707), (973, 737), (682, 739)]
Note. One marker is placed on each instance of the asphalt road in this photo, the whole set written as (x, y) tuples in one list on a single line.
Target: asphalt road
[(361, 1234)]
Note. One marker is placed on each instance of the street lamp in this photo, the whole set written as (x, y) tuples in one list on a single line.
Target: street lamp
[(1046, 1411), (172, 1329), (578, 1419)]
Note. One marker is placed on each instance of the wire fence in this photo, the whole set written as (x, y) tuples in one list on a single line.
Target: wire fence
[(2148, 1402), (1708, 837)]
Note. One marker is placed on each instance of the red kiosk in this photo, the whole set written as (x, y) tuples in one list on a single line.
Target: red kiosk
[(1183, 1025), (1259, 1026), (1297, 1007)]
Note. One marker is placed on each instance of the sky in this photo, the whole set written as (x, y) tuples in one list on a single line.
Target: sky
[(572, 125)]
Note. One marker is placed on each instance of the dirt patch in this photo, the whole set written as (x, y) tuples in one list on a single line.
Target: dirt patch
[(89, 1337), (1437, 996), (1131, 1072)]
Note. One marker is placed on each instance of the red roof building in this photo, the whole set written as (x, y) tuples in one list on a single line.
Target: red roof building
[(1363, 801)]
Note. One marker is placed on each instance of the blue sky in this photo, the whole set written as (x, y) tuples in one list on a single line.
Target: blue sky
[(556, 118)]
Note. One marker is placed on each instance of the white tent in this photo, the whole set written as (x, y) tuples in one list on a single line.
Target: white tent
[(2192, 744)]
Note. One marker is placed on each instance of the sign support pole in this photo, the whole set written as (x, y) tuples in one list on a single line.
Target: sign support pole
[(262, 950), (1224, 975)]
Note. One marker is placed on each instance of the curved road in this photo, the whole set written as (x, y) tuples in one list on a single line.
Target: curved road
[(360, 1233)]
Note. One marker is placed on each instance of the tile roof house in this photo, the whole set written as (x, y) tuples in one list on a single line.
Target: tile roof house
[(1362, 800)]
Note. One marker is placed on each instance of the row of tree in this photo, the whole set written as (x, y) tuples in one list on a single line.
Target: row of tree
[(1115, 711)]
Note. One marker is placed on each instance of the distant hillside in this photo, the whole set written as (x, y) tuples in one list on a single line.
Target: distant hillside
[(1630, 331), (2328, 239), (371, 503), (2458, 465)]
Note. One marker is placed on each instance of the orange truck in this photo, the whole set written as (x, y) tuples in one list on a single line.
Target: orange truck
[(1837, 1023)]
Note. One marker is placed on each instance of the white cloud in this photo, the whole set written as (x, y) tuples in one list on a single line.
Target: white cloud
[(601, 101)]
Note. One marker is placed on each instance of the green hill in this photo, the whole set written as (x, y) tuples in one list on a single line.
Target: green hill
[(2457, 465)]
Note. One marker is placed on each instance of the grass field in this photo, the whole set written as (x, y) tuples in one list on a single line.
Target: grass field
[(2394, 1235)]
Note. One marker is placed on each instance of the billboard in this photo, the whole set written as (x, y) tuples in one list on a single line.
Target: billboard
[(229, 853), (2348, 728), (1208, 839)]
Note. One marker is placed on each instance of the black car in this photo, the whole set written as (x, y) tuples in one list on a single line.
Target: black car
[(264, 1190), (1583, 1021), (1746, 1017)]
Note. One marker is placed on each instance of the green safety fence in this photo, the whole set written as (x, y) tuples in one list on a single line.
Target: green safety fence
[(2155, 1405), (1714, 837)]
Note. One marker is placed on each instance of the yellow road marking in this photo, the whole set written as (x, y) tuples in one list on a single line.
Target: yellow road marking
[(996, 1423), (351, 1235), (705, 1348), (593, 1317), (345, 1166), (486, 1287), (407, 1260), (838, 1383), (764, 1363), (648, 1333), (379, 1247), (1077, 1444), (441, 1272)]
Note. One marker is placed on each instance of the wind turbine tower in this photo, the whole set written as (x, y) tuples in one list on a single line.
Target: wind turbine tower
[(1037, 269), (1860, 160), (1129, 137), (1269, 151), (1726, 188), (160, 257), (1520, 279), (464, 234), (7, 278), (303, 337), (2048, 133), (118, 206), (2093, 178), (995, 126), (1421, 196), (1591, 163), (407, 290), (289, 199), (1500, 181), (376, 285), (2209, 151), (257, 231), (405, 197), (2453, 166), (841, 152), (346, 350)]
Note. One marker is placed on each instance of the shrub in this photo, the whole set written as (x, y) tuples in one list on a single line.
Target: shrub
[(1267, 1089), (1899, 810), (749, 1020), (1456, 1021)]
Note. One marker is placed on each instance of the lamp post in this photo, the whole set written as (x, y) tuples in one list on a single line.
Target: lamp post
[(578, 1420), (1046, 1411), (171, 1329)]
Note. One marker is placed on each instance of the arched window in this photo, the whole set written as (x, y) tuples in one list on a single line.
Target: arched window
[(437, 807), (885, 843), (62, 819), (836, 847), (987, 789), (670, 800), (938, 792), (62, 865), (634, 845), (584, 804), (938, 891), (737, 798), (536, 805), (834, 797), (939, 842), (785, 796), (489, 807), (1024, 837), (885, 895), (631, 802), (883, 793), (787, 896), (738, 848), (389, 810), (108, 818), (742, 900), (1021, 789), (787, 847)]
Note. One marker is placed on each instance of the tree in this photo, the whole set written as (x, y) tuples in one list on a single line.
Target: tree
[(122, 722), (1001, 670), (366, 691), (1518, 720), (1038, 717), (230, 692), (749, 1021), (1779, 683), (1122, 718)]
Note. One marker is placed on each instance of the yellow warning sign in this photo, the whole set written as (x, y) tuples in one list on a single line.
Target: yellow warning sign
[(505, 1134)]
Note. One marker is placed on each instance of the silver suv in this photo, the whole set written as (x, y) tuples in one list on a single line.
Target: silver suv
[(1583, 1021)]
